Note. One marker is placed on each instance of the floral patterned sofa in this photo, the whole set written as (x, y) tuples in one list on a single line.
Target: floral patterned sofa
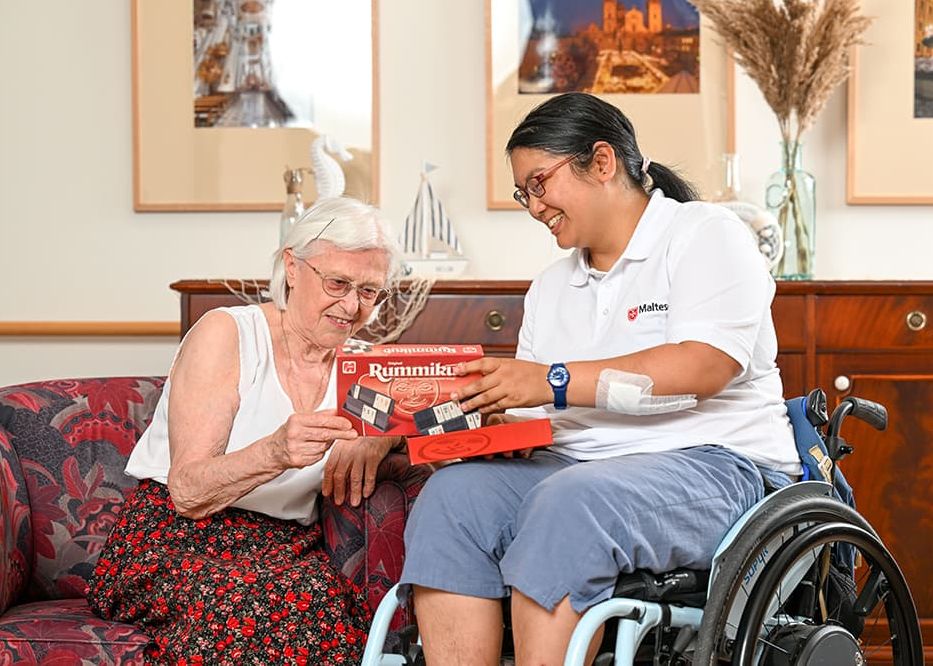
[(63, 447)]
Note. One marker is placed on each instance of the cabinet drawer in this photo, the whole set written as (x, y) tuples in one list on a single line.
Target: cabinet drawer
[(492, 321), (885, 323)]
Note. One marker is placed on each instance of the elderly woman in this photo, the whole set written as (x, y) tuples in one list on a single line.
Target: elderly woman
[(217, 555)]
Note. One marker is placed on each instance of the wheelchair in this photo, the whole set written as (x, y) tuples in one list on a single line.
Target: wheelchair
[(801, 578)]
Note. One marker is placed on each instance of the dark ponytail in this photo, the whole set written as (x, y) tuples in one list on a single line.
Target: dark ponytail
[(671, 184), (571, 123)]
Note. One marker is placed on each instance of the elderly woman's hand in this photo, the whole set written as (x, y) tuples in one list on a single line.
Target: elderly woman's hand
[(350, 471), (304, 438), (506, 383)]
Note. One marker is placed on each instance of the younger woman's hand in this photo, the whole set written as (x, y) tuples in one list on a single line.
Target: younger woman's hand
[(499, 419), (506, 383)]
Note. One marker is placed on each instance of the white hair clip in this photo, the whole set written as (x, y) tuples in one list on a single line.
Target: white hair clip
[(646, 180)]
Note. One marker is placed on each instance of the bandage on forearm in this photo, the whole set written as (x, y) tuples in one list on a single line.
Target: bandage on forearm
[(629, 393)]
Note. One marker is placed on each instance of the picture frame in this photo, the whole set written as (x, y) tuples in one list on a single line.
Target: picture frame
[(888, 149), (687, 132), (180, 167)]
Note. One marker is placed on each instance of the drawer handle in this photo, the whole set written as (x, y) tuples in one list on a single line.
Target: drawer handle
[(842, 383), (916, 320), (495, 320)]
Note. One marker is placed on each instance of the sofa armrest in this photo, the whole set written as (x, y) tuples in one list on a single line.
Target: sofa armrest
[(15, 521), (367, 542), (71, 438)]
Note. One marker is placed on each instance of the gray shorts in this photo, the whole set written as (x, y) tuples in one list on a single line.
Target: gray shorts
[(551, 526)]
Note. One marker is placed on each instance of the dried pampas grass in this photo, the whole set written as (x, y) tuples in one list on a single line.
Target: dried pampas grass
[(797, 51)]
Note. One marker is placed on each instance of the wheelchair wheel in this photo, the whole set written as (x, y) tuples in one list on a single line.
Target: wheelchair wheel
[(787, 623), (739, 569)]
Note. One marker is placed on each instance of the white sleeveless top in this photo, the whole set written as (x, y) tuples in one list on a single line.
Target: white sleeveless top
[(264, 406)]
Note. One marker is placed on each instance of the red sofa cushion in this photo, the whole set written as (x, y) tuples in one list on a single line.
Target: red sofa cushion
[(66, 632)]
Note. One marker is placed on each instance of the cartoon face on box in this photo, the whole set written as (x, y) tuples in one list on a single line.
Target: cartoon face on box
[(412, 394)]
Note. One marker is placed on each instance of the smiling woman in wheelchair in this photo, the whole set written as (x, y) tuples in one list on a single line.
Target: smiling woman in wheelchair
[(652, 350)]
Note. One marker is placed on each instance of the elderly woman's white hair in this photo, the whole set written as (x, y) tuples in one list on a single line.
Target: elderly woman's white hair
[(348, 224)]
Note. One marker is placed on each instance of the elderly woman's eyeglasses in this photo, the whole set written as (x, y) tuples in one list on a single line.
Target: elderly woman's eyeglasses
[(534, 186), (338, 287)]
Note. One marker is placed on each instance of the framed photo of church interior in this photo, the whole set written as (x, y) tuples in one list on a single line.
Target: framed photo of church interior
[(657, 60), (890, 106), (228, 93)]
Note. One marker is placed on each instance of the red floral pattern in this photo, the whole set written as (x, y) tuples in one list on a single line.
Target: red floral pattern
[(236, 584), (15, 550), (63, 447), (118, 393)]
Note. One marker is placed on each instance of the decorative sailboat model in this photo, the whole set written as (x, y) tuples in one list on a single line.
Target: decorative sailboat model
[(430, 244)]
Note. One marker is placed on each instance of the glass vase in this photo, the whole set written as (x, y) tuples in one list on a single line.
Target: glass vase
[(294, 204), (790, 195), (761, 224)]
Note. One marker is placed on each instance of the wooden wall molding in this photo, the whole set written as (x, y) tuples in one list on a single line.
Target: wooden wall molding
[(90, 329)]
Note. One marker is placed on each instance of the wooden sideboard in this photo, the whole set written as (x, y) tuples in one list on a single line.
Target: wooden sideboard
[(870, 339)]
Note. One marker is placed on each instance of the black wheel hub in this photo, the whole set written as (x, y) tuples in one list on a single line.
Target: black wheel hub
[(805, 644)]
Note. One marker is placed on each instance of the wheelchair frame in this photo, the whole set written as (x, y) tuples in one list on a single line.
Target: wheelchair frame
[(770, 549)]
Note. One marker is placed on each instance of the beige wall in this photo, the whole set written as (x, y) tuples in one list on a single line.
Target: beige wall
[(71, 247)]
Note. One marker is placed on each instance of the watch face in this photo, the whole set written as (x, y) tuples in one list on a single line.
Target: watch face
[(558, 376)]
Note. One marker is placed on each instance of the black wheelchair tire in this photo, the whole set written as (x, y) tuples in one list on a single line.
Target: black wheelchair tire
[(903, 633), (803, 511)]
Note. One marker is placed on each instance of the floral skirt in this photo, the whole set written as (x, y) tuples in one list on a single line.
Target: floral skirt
[(237, 587)]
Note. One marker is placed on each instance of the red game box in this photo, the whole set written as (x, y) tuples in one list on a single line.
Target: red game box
[(481, 441), (398, 389)]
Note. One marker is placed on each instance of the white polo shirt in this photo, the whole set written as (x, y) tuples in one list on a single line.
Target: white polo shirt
[(690, 272)]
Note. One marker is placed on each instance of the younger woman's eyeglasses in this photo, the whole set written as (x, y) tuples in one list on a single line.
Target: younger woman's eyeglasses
[(338, 287), (534, 186)]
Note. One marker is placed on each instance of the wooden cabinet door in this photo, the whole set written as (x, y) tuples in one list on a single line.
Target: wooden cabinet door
[(792, 367), (892, 471)]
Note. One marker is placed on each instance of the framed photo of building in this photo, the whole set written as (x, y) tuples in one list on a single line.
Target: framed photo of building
[(890, 110), (656, 60), (228, 93)]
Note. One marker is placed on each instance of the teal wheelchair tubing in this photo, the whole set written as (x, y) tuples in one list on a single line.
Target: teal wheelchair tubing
[(379, 630), (636, 619)]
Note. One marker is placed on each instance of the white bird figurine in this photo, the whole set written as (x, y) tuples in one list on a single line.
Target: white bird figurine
[(328, 175)]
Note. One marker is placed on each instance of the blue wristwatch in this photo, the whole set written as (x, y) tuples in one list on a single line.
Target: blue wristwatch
[(558, 377)]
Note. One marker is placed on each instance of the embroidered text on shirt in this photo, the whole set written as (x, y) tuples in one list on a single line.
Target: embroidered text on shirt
[(645, 307)]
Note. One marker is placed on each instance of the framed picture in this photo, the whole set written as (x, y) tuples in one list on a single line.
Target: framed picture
[(890, 106), (228, 93), (656, 60)]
